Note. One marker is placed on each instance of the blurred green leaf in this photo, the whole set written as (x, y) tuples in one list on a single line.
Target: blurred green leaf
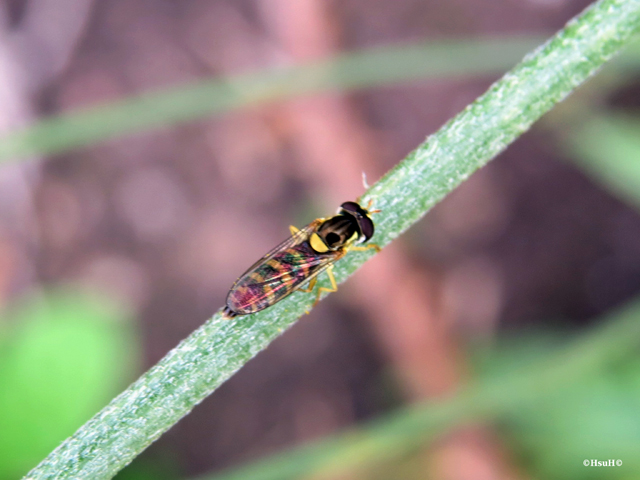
[(63, 356), (542, 388), (629, 59), (607, 147), (377, 66), (596, 417), (158, 467)]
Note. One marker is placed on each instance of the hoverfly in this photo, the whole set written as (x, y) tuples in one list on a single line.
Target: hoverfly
[(300, 259)]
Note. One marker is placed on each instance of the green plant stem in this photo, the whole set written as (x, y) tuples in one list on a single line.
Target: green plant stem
[(220, 347)]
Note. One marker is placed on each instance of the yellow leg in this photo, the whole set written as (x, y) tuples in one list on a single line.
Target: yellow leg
[(358, 248), (369, 204), (293, 229), (312, 284), (334, 286)]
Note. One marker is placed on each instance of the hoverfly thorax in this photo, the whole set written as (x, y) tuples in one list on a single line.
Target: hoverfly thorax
[(337, 231), (351, 224)]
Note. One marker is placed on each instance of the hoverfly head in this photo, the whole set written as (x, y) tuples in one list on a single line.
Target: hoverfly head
[(362, 218)]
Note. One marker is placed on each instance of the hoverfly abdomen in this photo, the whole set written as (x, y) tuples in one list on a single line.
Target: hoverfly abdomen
[(272, 279), (299, 259)]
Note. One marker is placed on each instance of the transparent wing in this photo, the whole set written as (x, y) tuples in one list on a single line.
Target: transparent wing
[(279, 273), (275, 286), (294, 240), (303, 268)]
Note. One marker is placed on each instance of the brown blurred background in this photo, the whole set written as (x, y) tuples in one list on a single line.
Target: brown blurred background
[(165, 221)]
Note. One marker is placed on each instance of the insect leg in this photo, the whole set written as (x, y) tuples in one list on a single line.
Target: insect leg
[(312, 284), (293, 229), (358, 248), (369, 204), (334, 285)]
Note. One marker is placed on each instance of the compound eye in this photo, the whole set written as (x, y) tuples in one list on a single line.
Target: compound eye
[(352, 207), (367, 228)]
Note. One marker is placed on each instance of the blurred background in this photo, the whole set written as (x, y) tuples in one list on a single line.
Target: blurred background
[(111, 253)]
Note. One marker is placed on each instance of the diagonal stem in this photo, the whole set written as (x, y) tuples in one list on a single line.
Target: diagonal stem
[(215, 351)]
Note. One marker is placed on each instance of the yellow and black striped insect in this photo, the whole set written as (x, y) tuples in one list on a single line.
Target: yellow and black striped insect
[(300, 259)]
